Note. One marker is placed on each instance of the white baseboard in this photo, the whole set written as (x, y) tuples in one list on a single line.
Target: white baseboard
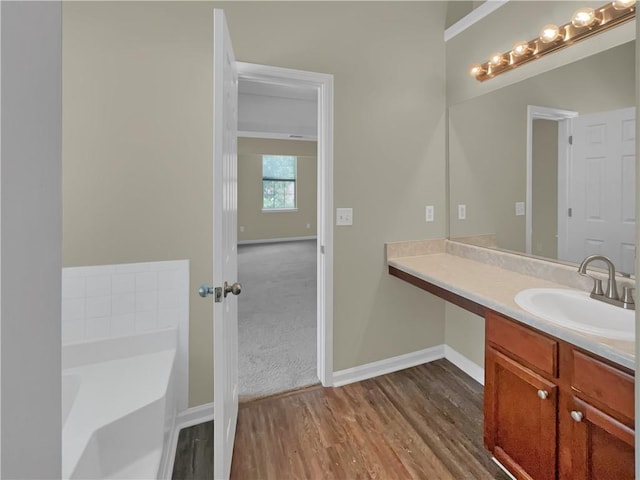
[(276, 240), (388, 365), (472, 369), (187, 418)]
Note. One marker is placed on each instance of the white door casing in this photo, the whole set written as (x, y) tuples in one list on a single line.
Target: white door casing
[(225, 255), (535, 112), (601, 188), (324, 84)]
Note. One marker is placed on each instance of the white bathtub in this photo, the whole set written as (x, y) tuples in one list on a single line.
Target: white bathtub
[(118, 408)]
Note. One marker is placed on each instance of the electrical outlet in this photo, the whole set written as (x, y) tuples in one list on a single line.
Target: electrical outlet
[(462, 212), (428, 213), (308, 226), (344, 216), (241, 229), (519, 209)]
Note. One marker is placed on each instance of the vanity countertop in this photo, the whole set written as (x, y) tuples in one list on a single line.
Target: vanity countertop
[(494, 287)]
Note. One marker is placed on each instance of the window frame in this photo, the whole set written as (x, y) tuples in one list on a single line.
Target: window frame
[(273, 179)]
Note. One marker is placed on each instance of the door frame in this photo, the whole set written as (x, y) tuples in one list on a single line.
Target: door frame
[(323, 83), (535, 112)]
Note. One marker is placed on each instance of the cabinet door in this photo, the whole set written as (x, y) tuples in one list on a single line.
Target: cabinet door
[(602, 448), (520, 418)]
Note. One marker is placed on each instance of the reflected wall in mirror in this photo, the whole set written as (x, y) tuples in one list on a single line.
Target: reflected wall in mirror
[(572, 200)]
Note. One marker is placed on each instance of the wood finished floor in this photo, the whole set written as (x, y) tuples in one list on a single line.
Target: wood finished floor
[(421, 423)]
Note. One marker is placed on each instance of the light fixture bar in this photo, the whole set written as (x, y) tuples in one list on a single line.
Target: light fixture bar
[(606, 17)]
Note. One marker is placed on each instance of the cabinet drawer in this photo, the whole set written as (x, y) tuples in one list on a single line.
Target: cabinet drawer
[(609, 386), (527, 345)]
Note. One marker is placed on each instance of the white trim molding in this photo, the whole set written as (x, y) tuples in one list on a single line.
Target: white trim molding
[(469, 367), (388, 365), (473, 17), (187, 418), (276, 240)]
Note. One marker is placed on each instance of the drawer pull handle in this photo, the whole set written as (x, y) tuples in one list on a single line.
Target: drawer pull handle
[(576, 415), (543, 394)]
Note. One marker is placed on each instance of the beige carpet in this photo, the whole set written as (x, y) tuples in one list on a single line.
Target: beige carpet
[(276, 317)]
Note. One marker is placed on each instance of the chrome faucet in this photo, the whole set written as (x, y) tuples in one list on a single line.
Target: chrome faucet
[(611, 295)]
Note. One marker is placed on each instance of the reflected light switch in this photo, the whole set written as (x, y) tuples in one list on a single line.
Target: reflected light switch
[(344, 216)]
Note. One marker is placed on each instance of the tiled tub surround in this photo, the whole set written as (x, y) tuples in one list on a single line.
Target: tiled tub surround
[(492, 278), (114, 301)]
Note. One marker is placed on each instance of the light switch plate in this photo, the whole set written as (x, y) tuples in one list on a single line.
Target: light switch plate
[(462, 212), (428, 213), (519, 209), (344, 216)]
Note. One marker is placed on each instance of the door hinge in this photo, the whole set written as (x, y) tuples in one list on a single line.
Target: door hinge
[(570, 139), (570, 212), (322, 249), (217, 294)]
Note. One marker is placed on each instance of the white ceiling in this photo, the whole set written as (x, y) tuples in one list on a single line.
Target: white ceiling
[(250, 87)]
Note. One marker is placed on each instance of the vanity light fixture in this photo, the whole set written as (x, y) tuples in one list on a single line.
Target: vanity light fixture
[(549, 33), (622, 4), (496, 59), (584, 17), (584, 23), (520, 48), (476, 69)]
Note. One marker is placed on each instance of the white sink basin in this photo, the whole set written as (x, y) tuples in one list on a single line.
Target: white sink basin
[(576, 310)]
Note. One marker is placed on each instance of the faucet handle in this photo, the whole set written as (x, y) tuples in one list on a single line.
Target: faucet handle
[(597, 287), (627, 297)]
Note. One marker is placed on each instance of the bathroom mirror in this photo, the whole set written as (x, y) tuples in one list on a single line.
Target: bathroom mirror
[(560, 203)]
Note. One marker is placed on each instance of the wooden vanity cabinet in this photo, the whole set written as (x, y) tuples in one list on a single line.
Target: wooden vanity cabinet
[(552, 411)]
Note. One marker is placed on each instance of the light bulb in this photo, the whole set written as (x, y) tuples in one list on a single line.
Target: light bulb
[(585, 17), (475, 70), (623, 4), (549, 33), (520, 48), (496, 59)]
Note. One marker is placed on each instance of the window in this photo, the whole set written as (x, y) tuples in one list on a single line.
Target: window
[(279, 182)]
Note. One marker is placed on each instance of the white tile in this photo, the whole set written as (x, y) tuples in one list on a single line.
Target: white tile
[(98, 286), (98, 270), (123, 283), (98, 307), (72, 309), (73, 287), (73, 272), (123, 325), (132, 267), (146, 281), (171, 299), (146, 321), (169, 317), (146, 301), (72, 331), (123, 304), (169, 265), (97, 328), (170, 280)]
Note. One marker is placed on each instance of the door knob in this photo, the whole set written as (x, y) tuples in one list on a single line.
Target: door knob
[(543, 394), (236, 288), (205, 290), (576, 415)]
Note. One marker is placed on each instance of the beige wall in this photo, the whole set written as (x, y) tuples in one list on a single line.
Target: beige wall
[(464, 332), (259, 225), (487, 138), (138, 147), (544, 162)]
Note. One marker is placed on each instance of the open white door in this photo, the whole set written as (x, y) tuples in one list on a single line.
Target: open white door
[(602, 188), (225, 255)]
